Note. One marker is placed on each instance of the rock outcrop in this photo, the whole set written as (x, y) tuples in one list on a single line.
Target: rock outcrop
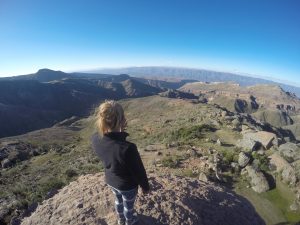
[(173, 200), (171, 93)]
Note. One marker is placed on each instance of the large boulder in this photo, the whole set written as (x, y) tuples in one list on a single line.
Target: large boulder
[(263, 137), (287, 172), (290, 151), (248, 144), (173, 200), (258, 180)]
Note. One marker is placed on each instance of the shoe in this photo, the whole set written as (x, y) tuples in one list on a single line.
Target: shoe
[(133, 221)]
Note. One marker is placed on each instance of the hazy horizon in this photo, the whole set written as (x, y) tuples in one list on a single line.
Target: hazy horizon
[(96, 69)]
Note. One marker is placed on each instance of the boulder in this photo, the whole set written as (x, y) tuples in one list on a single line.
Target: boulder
[(289, 175), (224, 114), (258, 180), (244, 159), (287, 172), (263, 137), (236, 122), (248, 144), (246, 128), (290, 151), (203, 177), (294, 206)]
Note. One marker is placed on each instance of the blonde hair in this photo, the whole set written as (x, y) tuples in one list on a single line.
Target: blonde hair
[(109, 116)]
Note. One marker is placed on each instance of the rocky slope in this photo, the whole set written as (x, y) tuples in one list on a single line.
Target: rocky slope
[(173, 200)]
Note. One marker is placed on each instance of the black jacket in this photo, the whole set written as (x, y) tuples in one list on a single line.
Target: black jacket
[(124, 169)]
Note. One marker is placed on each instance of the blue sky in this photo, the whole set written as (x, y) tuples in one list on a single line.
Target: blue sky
[(259, 37)]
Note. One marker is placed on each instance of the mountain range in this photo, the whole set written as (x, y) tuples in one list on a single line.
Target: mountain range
[(196, 74), (39, 100)]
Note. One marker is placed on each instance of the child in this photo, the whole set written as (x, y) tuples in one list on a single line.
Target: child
[(124, 169)]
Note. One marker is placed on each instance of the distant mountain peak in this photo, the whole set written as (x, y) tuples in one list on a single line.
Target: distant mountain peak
[(45, 75), (46, 70)]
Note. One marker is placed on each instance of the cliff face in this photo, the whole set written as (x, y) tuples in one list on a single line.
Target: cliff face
[(173, 200)]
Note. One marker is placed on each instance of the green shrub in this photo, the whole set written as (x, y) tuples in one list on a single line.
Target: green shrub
[(229, 156), (170, 162), (71, 173), (263, 161), (193, 132)]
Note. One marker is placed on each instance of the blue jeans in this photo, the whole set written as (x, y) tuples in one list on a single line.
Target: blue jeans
[(124, 203)]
